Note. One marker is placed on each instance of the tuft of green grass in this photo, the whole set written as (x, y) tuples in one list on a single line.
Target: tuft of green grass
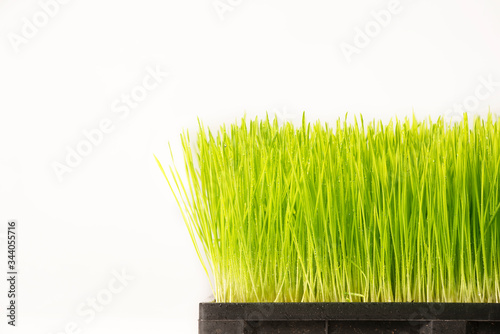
[(407, 211)]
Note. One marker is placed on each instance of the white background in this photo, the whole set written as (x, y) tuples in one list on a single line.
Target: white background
[(114, 210)]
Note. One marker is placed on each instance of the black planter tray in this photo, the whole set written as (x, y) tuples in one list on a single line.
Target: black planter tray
[(327, 318)]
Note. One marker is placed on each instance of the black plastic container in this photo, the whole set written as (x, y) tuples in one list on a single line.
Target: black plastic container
[(325, 318)]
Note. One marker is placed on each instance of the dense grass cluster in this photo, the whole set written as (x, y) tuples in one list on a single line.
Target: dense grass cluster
[(407, 211)]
